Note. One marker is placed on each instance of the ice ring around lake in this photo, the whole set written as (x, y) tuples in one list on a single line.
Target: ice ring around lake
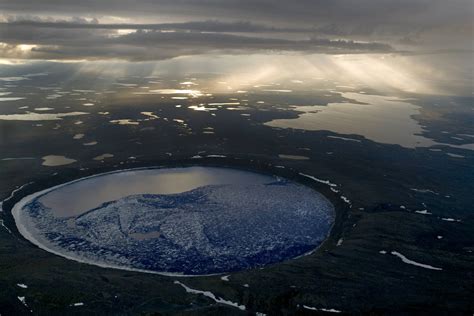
[(188, 221)]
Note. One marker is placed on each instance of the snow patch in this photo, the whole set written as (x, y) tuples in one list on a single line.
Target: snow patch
[(327, 310), (448, 219), (22, 299), (211, 296), (408, 261), (327, 182), (225, 278), (424, 212), (4, 226), (424, 191), (346, 200)]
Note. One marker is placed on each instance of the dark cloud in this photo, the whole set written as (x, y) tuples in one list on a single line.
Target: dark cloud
[(90, 28), (58, 43), (309, 12), (203, 26)]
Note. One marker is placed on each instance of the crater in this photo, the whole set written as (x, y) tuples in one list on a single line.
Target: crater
[(180, 221)]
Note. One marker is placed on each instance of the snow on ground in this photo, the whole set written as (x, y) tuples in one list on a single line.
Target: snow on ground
[(225, 278), (13, 194), (4, 226), (448, 219), (327, 310), (408, 261), (2, 223), (318, 180), (424, 212), (424, 191), (23, 286), (346, 200), (22, 299), (211, 296)]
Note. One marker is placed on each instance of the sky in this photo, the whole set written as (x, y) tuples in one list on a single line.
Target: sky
[(141, 30), (424, 46)]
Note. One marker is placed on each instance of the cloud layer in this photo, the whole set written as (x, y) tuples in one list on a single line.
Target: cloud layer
[(153, 30)]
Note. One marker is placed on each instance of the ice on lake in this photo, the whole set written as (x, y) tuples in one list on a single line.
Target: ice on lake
[(192, 221)]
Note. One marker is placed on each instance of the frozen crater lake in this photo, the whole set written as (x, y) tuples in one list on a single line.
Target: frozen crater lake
[(190, 221)]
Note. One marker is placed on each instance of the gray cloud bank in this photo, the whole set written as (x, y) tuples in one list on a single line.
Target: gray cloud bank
[(153, 30)]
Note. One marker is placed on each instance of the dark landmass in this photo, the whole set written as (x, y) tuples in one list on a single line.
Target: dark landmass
[(391, 191)]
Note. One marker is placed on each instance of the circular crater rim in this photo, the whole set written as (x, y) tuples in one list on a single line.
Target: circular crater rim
[(24, 232)]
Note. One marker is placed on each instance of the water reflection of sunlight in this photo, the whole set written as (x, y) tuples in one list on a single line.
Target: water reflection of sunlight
[(193, 93)]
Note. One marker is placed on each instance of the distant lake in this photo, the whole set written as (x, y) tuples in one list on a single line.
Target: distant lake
[(387, 120)]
